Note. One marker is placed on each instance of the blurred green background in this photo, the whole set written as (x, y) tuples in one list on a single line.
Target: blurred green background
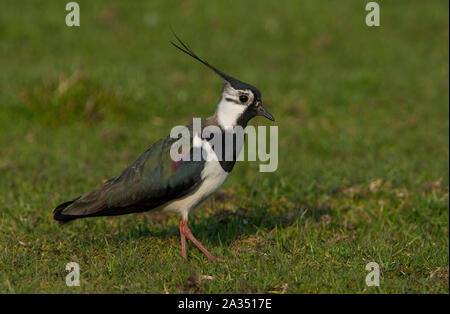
[(363, 116)]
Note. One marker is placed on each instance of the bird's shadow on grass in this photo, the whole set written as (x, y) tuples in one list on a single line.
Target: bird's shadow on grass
[(223, 226)]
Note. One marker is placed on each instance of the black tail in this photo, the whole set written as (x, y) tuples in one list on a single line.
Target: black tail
[(59, 216), (79, 207), (94, 204)]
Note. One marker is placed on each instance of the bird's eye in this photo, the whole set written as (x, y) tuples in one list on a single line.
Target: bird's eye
[(243, 98)]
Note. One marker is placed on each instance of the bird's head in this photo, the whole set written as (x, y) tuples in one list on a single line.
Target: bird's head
[(239, 102)]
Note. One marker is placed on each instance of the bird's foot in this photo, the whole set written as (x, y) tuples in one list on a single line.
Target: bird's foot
[(186, 233)]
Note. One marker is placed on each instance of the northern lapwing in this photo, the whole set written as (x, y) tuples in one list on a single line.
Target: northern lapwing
[(157, 181)]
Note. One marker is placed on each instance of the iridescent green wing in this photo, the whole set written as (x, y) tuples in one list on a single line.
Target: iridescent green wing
[(154, 178)]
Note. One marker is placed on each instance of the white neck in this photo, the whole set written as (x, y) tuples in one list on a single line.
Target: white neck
[(228, 113)]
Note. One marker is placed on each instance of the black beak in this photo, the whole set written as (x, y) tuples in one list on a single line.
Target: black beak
[(261, 111)]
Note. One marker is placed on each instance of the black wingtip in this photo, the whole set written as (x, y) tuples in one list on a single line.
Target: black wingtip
[(59, 216)]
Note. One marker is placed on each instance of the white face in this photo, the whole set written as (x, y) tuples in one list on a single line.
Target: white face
[(232, 105)]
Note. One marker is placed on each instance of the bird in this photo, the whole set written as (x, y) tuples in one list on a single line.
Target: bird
[(155, 181)]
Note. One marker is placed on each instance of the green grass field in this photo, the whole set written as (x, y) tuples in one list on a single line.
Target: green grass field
[(363, 116)]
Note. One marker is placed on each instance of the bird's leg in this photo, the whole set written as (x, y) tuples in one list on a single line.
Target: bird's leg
[(184, 229), (183, 241)]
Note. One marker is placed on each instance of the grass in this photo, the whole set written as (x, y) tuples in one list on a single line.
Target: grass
[(363, 170)]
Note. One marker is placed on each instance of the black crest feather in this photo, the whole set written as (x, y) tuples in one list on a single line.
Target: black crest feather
[(235, 83)]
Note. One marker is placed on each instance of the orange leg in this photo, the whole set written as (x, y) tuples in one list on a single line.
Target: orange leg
[(183, 241), (185, 232)]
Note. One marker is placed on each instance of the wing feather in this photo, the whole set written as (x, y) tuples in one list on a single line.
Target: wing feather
[(152, 180)]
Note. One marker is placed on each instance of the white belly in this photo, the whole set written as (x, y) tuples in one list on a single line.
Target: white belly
[(213, 176)]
